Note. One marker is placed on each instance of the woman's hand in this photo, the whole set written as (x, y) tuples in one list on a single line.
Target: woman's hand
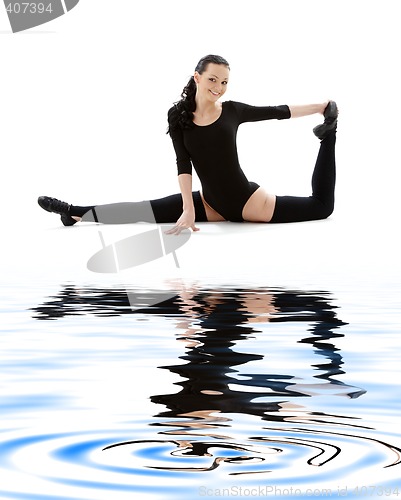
[(187, 220), (323, 107)]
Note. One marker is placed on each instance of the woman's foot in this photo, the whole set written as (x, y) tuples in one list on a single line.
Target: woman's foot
[(330, 121), (58, 207)]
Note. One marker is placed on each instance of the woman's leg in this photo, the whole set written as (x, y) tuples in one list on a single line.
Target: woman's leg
[(321, 204), (162, 210)]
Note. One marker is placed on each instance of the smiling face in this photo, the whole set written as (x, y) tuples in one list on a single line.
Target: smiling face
[(212, 83)]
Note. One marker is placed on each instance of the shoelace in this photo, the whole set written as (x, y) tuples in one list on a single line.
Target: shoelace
[(60, 207)]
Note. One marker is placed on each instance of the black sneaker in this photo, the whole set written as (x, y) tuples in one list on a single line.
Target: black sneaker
[(58, 207), (330, 121)]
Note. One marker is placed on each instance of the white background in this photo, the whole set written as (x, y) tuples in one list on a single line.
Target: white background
[(85, 98), (84, 101)]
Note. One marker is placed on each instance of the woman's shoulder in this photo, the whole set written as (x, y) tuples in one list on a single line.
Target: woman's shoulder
[(179, 117), (235, 105), (173, 116), (230, 104), (172, 111)]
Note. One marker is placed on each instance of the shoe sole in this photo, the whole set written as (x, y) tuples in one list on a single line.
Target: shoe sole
[(331, 111), (67, 220), (330, 115)]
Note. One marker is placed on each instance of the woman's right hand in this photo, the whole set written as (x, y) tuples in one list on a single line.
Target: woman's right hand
[(187, 220)]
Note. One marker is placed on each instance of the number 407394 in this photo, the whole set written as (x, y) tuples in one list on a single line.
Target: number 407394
[(28, 8)]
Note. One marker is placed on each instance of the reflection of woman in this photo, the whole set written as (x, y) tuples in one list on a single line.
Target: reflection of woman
[(209, 379), (203, 130), (212, 323)]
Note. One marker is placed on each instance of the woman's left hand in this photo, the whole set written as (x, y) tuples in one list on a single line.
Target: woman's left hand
[(324, 106)]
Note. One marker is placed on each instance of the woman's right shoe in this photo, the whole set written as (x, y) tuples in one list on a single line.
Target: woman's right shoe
[(58, 207), (330, 121)]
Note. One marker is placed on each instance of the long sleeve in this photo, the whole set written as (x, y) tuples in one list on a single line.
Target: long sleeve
[(247, 113), (184, 164)]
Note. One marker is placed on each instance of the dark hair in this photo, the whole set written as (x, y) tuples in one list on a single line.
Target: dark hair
[(182, 114)]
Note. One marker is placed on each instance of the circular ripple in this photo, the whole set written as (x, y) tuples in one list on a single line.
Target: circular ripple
[(93, 465), (39, 465)]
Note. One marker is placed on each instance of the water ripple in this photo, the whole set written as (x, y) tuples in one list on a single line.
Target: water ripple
[(257, 389), (73, 459), (78, 460), (320, 448)]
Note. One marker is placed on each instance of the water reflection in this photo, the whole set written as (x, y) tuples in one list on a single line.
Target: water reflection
[(213, 324), (215, 345), (248, 351)]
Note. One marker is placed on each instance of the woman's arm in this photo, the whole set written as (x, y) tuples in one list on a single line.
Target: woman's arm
[(307, 109), (185, 182), (184, 167), (187, 219)]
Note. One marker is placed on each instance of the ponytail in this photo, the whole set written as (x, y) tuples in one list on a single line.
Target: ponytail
[(182, 114)]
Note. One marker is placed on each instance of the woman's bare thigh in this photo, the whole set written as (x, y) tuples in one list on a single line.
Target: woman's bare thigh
[(259, 207)]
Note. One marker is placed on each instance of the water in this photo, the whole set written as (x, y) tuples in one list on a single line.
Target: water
[(223, 389)]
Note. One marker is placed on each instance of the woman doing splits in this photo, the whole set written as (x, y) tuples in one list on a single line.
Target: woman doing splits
[(203, 131)]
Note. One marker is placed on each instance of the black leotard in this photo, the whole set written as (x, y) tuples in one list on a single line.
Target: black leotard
[(212, 150)]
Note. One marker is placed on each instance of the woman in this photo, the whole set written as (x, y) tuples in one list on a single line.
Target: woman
[(203, 131)]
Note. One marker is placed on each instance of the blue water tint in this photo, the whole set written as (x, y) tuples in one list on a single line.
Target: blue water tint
[(30, 496), (216, 385), (24, 402), (78, 453), (6, 447)]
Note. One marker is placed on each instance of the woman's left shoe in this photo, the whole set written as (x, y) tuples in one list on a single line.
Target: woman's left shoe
[(330, 121), (58, 207)]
